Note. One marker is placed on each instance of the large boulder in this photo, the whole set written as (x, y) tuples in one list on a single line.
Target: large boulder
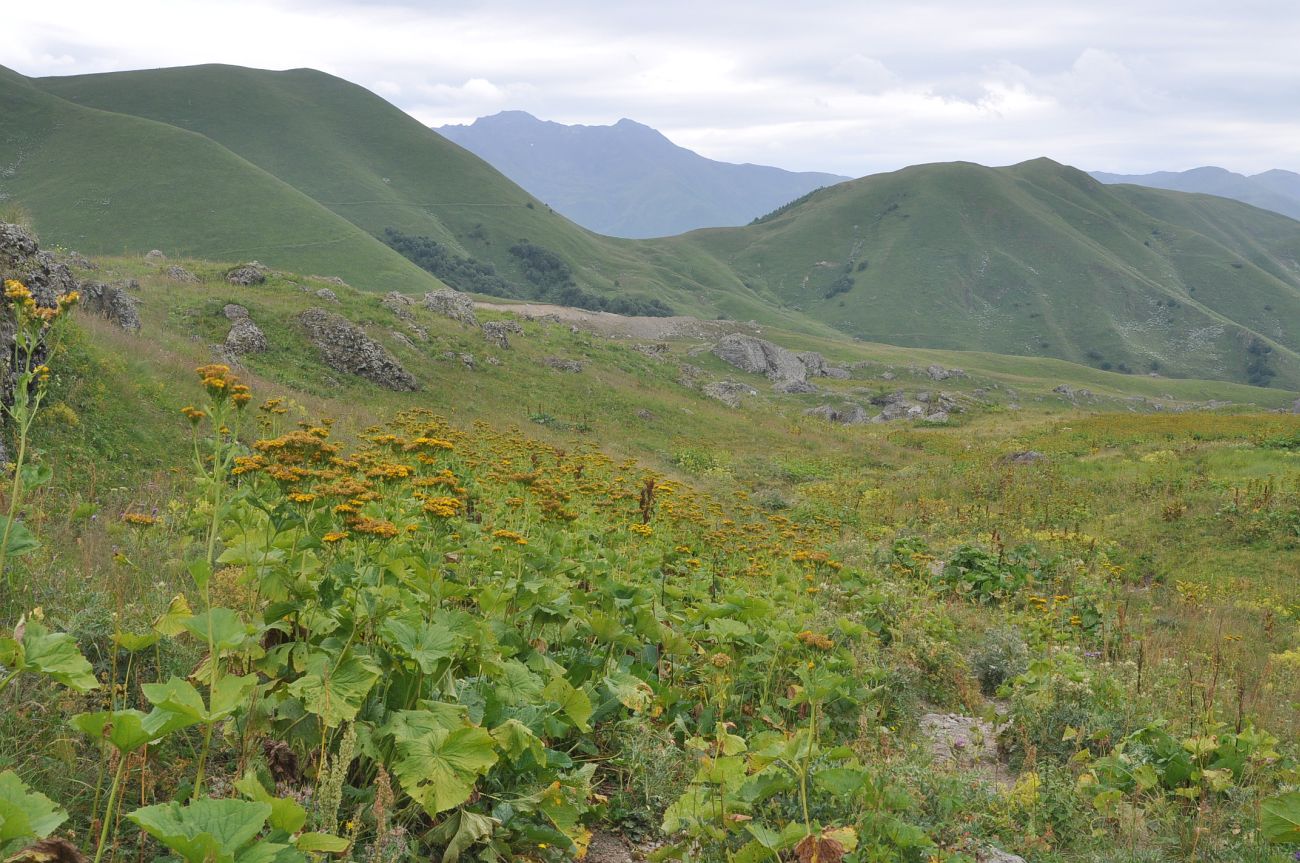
[(452, 304), (346, 348), (729, 392), (498, 332), (21, 258), (113, 303), (788, 370), (177, 273), (852, 415), (248, 274), (245, 337)]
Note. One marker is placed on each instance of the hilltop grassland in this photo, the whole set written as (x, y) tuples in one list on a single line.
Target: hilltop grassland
[(529, 613)]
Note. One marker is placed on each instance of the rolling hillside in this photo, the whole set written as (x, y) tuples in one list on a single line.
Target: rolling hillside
[(105, 182), (1036, 259), (628, 180), (305, 171)]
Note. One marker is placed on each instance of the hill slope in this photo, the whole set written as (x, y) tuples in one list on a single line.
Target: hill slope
[(105, 182), (1274, 190), (1036, 259), (628, 180)]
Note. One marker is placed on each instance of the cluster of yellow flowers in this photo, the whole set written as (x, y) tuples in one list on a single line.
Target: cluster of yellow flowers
[(815, 639), (26, 304)]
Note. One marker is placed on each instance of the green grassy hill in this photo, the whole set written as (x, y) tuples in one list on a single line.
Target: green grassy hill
[(304, 170), (108, 183), (1036, 259)]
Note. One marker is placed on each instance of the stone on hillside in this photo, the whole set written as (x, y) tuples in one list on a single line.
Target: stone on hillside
[(154, 256), (113, 303), (327, 295), (936, 417), (728, 392), (21, 258), (497, 332), (397, 303), (452, 304), (346, 348), (1028, 456), (560, 364), (245, 337), (789, 371), (990, 854), (796, 387), (656, 350), (248, 274), (961, 741), (851, 415), (887, 376), (333, 280), (179, 274), (939, 373), (81, 262)]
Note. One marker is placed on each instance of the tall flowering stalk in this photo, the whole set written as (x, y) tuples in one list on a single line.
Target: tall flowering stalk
[(35, 334)]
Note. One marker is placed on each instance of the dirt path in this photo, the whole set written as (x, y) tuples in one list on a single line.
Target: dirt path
[(623, 326)]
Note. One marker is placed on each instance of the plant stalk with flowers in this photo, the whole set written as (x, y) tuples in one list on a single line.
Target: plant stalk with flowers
[(35, 337)]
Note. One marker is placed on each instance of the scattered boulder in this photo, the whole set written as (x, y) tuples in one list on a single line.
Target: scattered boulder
[(645, 415), (327, 295), (245, 337), (248, 274), (346, 348), (467, 360), (80, 261), (154, 256), (789, 371), (937, 417), (657, 350), (452, 304), (939, 373), (179, 274), (402, 338), (794, 387), (497, 332), (333, 280), (572, 367), (493, 361), (113, 303), (991, 854), (1029, 456), (401, 305), (729, 392), (849, 415), (887, 376)]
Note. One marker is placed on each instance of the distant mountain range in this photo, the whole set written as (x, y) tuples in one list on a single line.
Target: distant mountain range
[(1274, 190), (628, 180)]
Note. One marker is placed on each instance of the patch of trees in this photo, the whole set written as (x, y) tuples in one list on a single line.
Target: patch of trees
[(552, 280), (1258, 371), (785, 208), (458, 271)]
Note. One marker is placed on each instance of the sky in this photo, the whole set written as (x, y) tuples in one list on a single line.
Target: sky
[(848, 86)]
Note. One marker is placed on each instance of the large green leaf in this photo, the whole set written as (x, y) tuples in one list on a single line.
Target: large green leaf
[(573, 702), (53, 654), (1280, 818), (25, 814), (335, 692), (438, 769), (221, 627), (207, 830), (514, 739), (21, 540), (516, 685), (633, 692), (183, 702), (125, 730), (424, 644), (285, 815)]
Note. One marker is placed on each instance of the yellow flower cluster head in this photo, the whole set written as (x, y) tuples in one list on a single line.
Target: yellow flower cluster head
[(442, 507), (815, 639), (25, 304), (642, 529)]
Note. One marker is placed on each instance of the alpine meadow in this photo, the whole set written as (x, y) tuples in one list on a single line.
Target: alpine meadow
[(358, 505)]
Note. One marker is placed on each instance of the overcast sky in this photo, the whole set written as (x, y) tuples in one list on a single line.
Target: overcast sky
[(853, 87)]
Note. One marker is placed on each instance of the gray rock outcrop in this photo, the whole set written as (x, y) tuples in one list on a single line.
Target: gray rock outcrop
[(154, 256), (245, 337), (81, 262), (729, 392), (346, 348), (178, 273), (327, 295), (248, 274), (788, 370), (939, 373), (498, 332), (452, 304), (560, 364), (400, 305), (113, 303), (847, 415), (21, 258)]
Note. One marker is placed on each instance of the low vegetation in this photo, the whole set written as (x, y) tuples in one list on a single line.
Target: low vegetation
[(280, 636)]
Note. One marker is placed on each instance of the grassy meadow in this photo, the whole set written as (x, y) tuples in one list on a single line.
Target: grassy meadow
[(276, 613)]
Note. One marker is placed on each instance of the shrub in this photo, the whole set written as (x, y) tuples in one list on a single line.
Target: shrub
[(1002, 655)]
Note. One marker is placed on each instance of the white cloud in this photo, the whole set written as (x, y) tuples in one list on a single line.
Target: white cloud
[(841, 85)]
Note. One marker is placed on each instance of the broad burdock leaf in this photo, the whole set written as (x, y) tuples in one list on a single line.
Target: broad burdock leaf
[(54, 654), (438, 769), (125, 730), (1280, 819), (25, 814), (335, 692), (221, 627), (179, 704), (633, 692), (285, 815), (573, 702), (424, 644), (207, 830), (21, 540), (171, 622)]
